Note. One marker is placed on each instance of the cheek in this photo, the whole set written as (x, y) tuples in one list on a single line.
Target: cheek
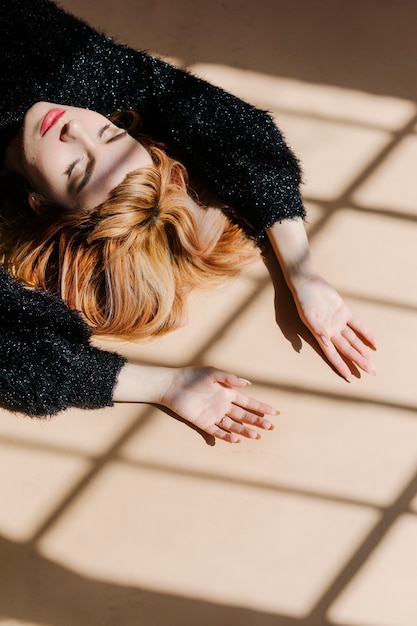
[(43, 180), (47, 168)]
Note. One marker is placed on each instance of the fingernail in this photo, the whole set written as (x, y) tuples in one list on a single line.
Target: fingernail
[(324, 340), (348, 379), (245, 381)]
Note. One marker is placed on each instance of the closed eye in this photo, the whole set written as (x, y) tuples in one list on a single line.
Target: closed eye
[(70, 168), (112, 138)]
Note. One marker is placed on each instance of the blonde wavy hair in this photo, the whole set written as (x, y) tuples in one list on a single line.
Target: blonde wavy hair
[(128, 265)]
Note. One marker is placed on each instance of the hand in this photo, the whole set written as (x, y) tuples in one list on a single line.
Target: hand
[(342, 338), (345, 341), (210, 400)]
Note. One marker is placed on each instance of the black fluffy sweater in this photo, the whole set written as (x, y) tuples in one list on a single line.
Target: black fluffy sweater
[(235, 149)]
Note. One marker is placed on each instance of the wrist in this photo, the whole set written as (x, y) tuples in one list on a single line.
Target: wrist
[(138, 383), (299, 270), (298, 277)]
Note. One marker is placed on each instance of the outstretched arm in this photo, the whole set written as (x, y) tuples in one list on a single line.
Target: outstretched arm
[(344, 340), (208, 398), (47, 364)]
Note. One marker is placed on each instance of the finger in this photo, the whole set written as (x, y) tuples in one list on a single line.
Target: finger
[(336, 360), (363, 349), (345, 347), (255, 406), (238, 428), (228, 378), (361, 330), (246, 417), (220, 433)]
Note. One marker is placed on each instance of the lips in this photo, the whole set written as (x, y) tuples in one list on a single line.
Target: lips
[(50, 119)]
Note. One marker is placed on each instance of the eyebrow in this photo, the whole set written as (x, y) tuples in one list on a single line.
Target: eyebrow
[(90, 167)]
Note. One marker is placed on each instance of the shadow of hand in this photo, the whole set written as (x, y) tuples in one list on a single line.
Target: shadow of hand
[(209, 439), (286, 314)]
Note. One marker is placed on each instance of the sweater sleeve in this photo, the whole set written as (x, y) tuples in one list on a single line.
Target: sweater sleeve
[(233, 147), (46, 361)]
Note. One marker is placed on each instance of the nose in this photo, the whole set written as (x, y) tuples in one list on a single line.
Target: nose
[(73, 130)]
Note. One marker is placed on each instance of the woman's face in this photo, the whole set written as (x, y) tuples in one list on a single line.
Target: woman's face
[(74, 156)]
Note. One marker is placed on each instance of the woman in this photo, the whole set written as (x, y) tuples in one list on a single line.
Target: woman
[(109, 224), (237, 153)]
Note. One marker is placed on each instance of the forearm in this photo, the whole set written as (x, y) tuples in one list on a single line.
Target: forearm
[(291, 247)]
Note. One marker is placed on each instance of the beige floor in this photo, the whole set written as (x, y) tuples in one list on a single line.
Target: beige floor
[(125, 517)]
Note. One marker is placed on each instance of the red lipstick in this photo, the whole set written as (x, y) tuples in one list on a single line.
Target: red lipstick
[(50, 119)]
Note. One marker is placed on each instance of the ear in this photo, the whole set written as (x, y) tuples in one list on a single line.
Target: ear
[(34, 202)]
